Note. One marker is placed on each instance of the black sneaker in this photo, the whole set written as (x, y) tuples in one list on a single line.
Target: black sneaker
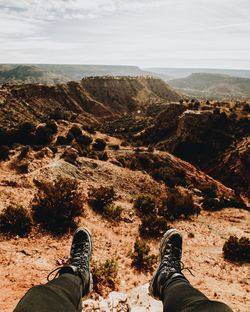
[(170, 262), (79, 261)]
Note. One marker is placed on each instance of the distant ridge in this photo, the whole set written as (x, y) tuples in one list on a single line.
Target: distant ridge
[(213, 86), (174, 73), (54, 74)]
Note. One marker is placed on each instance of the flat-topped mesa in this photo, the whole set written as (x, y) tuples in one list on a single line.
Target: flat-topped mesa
[(126, 93)]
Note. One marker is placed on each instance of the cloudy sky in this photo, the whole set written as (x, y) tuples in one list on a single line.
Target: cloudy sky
[(164, 33)]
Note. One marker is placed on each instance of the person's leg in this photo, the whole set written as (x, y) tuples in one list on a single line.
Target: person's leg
[(62, 294), (180, 295), (171, 287)]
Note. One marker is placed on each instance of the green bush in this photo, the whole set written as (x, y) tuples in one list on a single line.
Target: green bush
[(141, 258), (99, 145), (15, 221), (4, 152), (153, 226), (57, 204), (180, 203), (237, 249), (145, 204), (105, 275)]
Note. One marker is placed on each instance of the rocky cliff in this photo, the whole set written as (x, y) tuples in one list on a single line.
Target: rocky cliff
[(93, 98)]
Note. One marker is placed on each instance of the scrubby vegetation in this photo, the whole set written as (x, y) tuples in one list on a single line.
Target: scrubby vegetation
[(105, 275), (99, 145), (4, 152), (15, 221), (179, 203), (147, 208), (237, 249), (153, 226), (145, 204), (141, 257), (57, 204), (102, 201)]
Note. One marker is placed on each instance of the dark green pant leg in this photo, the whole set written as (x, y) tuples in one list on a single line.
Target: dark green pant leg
[(180, 296), (63, 294)]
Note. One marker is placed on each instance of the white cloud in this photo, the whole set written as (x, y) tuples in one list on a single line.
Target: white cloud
[(142, 32)]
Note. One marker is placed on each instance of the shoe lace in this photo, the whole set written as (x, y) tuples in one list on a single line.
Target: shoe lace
[(56, 271), (79, 255), (174, 261)]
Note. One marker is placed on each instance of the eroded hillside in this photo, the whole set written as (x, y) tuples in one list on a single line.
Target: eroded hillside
[(96, 97)]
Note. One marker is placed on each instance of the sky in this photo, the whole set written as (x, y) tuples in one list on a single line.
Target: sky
[(146, 33)]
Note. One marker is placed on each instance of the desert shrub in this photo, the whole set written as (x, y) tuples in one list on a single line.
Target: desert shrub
[(169, 176), (103, 156), (22, 166), (90, 129), (237, 249), (99, 145), (4, 152), (84, 139), (15, 221), (52, 125), (246, 108), (100, 198), (75, 131), (212, 204), (145, 204), (26, 128), (209, 189), (114, 147), (70, 155), (141, 258), (124, 143), (113, 212), (151, 148), (61, 140), (24, 152), (105, 275), (180, 203), (57, 204), (43, 135), (153, 226)]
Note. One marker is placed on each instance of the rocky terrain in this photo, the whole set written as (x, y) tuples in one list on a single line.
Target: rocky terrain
[(133, 138), (96, 97)]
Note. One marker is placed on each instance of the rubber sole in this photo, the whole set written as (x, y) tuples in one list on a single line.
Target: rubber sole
[(165, 238)]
